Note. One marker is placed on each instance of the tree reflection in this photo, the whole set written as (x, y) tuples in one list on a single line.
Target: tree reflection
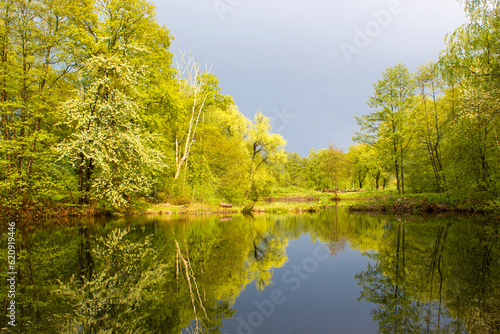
[(336, 242), (194, 292), (125, 277), (434, 279), (268, 253), (184, 276)]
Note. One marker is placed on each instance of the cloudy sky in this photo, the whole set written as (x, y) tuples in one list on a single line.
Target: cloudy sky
[(309, 65)]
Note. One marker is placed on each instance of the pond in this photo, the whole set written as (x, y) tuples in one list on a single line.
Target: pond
[(332, 272)]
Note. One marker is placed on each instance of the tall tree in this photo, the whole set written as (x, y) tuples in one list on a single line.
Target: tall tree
[(333, 164), (390, 125), (191, 87), (471, 60), (109, 146), (431, 119), (34, 65)]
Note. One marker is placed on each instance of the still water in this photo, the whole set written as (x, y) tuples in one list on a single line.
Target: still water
[(332, 272)]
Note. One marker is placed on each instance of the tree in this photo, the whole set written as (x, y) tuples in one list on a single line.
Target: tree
[(34, 67), (358, 155), (220, 161), (113, 154), (295, 171), (470, 60), (334, 166), (431, 119), (265, 148), (191, 88), (390, 125), (312, 170)]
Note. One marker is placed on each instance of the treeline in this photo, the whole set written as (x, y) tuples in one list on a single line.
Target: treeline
[(435, 130), (96, 110)]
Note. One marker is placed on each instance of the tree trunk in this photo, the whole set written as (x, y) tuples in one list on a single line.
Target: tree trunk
[(396, 167), (402, 173), (377, 179)]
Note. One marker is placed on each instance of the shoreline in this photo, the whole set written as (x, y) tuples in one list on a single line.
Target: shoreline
[(374, 202)]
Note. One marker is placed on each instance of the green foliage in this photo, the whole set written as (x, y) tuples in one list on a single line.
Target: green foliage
[(93, 111), (124, 275), (266, 148), (107, 145), (439, 128), (34, 73), (494, 207), (390, 127), (472, 73), (295, 171)]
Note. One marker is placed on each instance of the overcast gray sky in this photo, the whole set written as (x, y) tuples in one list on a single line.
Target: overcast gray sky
[(309, 65)]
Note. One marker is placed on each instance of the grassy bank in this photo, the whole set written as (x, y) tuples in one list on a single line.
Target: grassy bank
[(382, 201), (294, 200), (391, 202), (258, 207)]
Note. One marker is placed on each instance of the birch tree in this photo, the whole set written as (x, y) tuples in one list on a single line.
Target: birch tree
[(191, 88)]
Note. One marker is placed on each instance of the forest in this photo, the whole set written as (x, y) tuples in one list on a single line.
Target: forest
[(95, 111)]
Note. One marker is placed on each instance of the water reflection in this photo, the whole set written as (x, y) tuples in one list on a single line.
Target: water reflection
[(171, 275), (435, 276)]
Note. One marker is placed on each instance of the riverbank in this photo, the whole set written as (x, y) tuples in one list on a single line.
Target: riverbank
[(287, 201), (381, 201), (309, 201), (421, 204)]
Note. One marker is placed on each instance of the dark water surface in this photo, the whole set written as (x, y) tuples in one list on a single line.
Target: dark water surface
[(332, 272)]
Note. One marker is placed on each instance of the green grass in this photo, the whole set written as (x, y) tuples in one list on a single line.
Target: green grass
[(296, 200), (367, 195), (432, 198), (287, 207), (294, 192)]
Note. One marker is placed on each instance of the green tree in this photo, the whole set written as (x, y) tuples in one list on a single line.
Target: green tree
[(220, 162), (469, 60), (295, 171), (265, 148), (391, 124), (313, 170), (334, 166), (431, 119), (359, 156), (194, 95), (34, 68), (113, 154)]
